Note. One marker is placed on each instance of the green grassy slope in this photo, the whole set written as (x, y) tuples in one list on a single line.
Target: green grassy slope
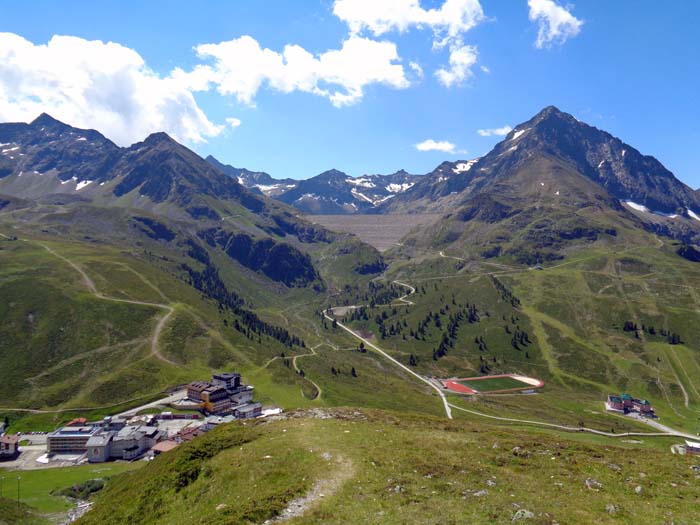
[(564, 324), (13, 514), (65, 348), (378, 467)]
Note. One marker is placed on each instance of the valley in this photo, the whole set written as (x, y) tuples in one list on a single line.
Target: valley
[(522, 262), (380, 231)]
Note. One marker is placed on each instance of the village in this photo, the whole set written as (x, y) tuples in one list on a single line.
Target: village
[(144, 432), (138, 433)]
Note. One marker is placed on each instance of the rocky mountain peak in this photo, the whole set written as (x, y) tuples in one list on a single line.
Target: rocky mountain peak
[(160, 138), (47, 121)]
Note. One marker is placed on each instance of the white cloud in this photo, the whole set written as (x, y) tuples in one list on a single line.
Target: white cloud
[(94, 84), (241, 67), (416, 68), (433, 145), (449, 23), (495, 132), (233, 122), (555, 23), (485, 69), (461, 61), (452, 19)]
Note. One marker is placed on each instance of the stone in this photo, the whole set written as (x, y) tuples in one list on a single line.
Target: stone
[(593, 484), (523, 514)]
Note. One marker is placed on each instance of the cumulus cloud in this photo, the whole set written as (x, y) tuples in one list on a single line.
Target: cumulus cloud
[(555, 24), (452, 19), (433, 145), (495, 132), (449, 23), (93, 84), (233, 122), (461, 61), (416, 68), (241, 67)]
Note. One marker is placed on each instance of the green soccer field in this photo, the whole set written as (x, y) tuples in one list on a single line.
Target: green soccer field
[(492, 384)]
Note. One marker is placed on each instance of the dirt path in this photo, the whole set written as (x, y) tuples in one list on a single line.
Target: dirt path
[(90, 285), (83, 355), (145, 281), (343, 470), (296, 369), (411, 290), (77, 409)]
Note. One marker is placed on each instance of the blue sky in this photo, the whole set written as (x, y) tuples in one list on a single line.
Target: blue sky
[(629, 67)]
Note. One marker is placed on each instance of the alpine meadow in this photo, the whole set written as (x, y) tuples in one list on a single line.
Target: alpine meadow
[(490, 316)]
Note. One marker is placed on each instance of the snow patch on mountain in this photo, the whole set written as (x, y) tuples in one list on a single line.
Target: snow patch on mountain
[(693, 215), (635, 206), (362, 182), (398, 188), (519, 133), (307, 196), (269, 187), (668, 215), (361, 196), (377, 202), (463, 167), (642, 208)]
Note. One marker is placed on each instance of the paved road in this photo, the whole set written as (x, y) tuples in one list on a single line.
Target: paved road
[(374, 347), (668, 432), (665, 431), (176, 396)]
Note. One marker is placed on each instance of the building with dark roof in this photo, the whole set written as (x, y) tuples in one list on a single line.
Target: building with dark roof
[(221, 394), (227, 380), (248, 411), (195, 389)]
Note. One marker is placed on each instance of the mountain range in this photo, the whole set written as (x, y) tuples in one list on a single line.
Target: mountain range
[(551, 182), (562, 254), (330, 192), (640, 182)]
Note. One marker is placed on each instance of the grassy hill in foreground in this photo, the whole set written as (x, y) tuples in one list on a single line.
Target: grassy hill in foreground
[(347, 466), (11, 513)]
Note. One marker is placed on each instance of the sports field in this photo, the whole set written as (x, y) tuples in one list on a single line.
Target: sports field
[(489, 384)]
